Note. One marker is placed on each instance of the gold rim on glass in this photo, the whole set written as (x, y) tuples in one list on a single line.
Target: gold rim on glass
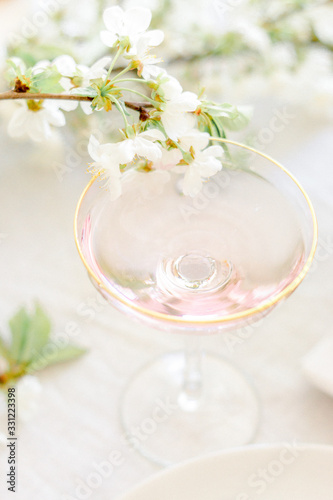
[(231, 317)]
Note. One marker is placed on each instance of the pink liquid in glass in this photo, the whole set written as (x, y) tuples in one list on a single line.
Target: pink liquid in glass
[(234, 247)]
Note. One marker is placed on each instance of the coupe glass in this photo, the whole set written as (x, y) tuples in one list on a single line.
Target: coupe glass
[(196, 266)]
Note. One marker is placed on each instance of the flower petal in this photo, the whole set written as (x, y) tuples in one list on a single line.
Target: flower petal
[(16, 123), (171, 88), (137, 20), (154, 37), (40, 66), (113, 18), (199, 140), (144, 42), (108, 38), (187, 101), (124, 151), (109, 163), (207, 165), (114, 185), (99, 65), (38, 128), (149, 69), (176, 124), (147, 149), (155, 71), (216, 151), (153, 134), (86, 107), (169, 159), (94, 148), (65, 65), (68, 105), (54, 117), (192, 182), (66, 84)]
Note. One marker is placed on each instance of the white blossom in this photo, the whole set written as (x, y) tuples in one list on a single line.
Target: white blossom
[(300, 26), (322, 19), (205, 161), (169, 159), (68, 68), (124, 25), (108, 157), (144, 144), (36, 121), (97, 70), (145, 62), (175, 116), (63, 64)]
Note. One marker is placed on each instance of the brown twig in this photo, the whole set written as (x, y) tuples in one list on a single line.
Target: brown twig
[(11, 94)]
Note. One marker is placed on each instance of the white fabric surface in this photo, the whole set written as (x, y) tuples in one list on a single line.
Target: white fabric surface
[(318, 366)]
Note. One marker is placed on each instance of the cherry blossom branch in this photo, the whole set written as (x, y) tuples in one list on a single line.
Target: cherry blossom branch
[(11, 94)]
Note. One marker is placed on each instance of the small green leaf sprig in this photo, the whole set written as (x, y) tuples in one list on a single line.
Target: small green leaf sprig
[(31, 347)]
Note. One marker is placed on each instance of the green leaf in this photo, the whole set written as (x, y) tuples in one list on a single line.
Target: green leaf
[(219, 110), (120, 105), (56, 355), (4, 351), (11, 64), (85, 92), (19, 325), (151, 124), (48, 81), (12, 72), (31, 348), (237, 123), (37, 335), (218, 128)]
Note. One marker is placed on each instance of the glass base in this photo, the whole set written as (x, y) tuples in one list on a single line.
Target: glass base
[(165, 426)]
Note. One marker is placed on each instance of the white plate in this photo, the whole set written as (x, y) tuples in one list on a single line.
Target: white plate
[(268, 472)]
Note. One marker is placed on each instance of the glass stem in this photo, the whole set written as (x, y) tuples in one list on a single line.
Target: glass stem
[(191, 392)]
